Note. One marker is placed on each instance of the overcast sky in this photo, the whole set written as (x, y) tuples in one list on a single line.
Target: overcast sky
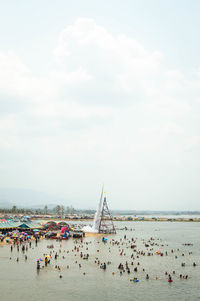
[(96, 92)]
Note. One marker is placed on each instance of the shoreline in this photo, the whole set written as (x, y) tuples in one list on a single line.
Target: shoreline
[(74, 219), (134, 219)]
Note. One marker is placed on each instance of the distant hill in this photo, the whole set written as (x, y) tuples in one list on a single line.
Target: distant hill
[(26, 198), (5, 204)]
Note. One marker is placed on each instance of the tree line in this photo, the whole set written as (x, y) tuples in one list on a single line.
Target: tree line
[(57, 210)]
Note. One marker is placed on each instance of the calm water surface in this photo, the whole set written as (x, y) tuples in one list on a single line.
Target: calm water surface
[(20, 280)]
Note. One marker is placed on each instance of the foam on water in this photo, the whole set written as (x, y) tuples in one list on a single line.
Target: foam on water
[(89, 229)]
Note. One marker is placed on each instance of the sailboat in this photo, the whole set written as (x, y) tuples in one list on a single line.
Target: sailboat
[(102, 222)]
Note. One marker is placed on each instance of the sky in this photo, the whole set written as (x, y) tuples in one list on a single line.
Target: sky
[(101, 92)]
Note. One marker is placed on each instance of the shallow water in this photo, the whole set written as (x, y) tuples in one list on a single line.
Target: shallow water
[(20, 280)]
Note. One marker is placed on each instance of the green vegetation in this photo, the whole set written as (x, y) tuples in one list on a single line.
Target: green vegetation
[(58, 210)]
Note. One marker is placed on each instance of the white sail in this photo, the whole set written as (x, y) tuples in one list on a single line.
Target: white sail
[(97, 218)]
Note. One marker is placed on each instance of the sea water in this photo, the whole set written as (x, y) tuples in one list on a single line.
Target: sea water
[(21, 281)]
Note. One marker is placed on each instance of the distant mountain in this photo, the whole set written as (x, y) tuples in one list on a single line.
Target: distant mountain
[(5, 204), (26, 198)]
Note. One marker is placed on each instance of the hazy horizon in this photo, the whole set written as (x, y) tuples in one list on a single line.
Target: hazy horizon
[(25, 198), (101, 92)]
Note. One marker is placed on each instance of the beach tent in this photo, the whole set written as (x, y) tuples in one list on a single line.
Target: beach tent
[(10, 224), (51, 224), (24, 225), (62, 224)]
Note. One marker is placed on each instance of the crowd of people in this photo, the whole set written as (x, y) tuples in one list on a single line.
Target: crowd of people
[(129, 252)]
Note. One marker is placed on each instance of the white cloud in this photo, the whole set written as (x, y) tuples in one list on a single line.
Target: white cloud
[(107, 108), (119, 66), (192, 142), (169, 128), (13, 74)]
